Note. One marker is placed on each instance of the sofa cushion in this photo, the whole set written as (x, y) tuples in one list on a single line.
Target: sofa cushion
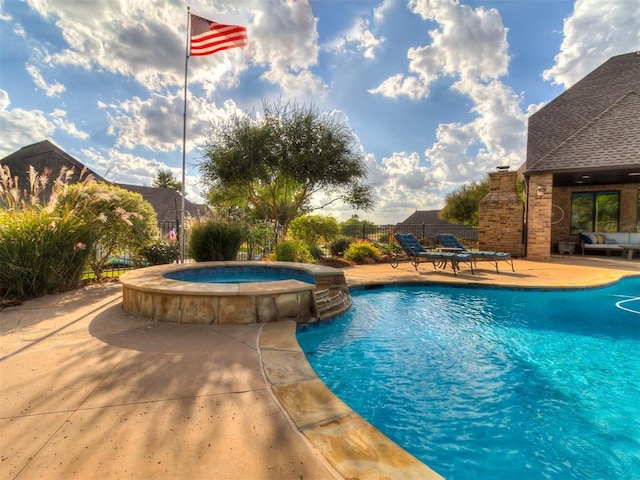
[(588, 238), (600, 237), (621, 238)]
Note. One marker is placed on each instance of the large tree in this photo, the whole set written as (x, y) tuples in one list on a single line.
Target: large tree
[(274, 163), (166, 179), (463, 204)]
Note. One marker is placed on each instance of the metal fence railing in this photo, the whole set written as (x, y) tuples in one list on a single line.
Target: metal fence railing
[(381, 234)]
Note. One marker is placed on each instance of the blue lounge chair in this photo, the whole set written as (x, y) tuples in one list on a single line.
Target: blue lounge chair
[(449, 241), (417, 253)]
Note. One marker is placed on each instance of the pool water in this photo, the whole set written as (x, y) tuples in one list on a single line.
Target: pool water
[(493, 383), (240, 274)]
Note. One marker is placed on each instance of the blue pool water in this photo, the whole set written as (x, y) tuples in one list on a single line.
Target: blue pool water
[(240, 274), (493, 383)]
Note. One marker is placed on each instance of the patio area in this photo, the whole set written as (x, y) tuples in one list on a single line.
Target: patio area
[(90, 392)]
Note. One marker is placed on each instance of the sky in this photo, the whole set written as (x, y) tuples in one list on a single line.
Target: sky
[(436, 92)]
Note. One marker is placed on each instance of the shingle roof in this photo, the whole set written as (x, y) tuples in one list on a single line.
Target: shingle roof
[(428, 217), (593, 124), (167, 202), (45, 154)]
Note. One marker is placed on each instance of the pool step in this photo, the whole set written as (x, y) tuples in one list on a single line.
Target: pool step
[(332, 301)]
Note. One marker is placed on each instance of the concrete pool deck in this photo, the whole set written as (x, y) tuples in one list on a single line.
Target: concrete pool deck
[(90, 392)]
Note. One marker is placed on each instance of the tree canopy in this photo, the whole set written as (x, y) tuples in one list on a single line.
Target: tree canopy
[(274, 163), (166, 179), (463, 204)]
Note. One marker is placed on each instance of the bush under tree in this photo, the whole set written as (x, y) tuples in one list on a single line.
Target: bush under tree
[(293, 251), (160, 252), (214, 241), (121, 220)]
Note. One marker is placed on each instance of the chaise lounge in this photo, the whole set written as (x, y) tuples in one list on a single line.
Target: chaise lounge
[(450, 242), (417, 253)]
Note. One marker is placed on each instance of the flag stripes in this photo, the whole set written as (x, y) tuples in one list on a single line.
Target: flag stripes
[(208, 37)]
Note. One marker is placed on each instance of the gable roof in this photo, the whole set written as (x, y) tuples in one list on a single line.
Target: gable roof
[(428, 217), (167, 202), (46, 154), (595, 124)]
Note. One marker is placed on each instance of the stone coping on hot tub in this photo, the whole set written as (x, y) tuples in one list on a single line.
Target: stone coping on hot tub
[(153, 278), (148, 293)]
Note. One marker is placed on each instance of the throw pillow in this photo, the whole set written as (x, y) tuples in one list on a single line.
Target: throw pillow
[(588, 238), (600, 237)]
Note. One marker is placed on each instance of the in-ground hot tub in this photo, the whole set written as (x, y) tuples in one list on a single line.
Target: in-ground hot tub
[(173, 293)]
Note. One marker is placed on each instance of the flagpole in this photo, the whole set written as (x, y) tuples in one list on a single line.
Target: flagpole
[(184, 137)]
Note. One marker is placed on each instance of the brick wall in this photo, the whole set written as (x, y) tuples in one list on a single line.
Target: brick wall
[(539, 216), (501, 215)]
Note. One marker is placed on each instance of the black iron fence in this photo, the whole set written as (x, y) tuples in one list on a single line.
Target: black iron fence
[(381, 234), (467, 234)]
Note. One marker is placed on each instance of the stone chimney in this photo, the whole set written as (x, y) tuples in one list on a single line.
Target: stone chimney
[(502, 215)]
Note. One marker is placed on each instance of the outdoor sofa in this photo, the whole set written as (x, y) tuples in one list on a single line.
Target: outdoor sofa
[(609, 242)]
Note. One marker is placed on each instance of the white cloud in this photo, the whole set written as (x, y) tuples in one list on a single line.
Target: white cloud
[(381, 11), (20, 127), (4, 16), (467, 43), (156, 123), (52, 90), (283, 37), (141, 40), (469, 46), (131, 169), (359, 36), (399, 84), (594, 32), (59, 119)]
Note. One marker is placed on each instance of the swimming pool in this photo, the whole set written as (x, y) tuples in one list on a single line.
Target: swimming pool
[(493, 383)]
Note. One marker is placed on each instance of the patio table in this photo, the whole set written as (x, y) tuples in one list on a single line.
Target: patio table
[(628, 250)]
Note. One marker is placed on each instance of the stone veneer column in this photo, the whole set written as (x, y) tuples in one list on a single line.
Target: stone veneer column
[(501, 215), (540, 203)]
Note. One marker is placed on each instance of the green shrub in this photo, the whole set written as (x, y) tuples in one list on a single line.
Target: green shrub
[(316, 252), (386, 248), (361, 250), (160, 252), (41, 252), (214, 241), (339, 246), (313, 229), (293, 251), (123, 221)]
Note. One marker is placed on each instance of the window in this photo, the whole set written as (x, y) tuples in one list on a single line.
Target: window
[(595, 211)]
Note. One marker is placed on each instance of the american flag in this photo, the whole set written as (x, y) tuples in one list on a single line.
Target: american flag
[(209, 37)]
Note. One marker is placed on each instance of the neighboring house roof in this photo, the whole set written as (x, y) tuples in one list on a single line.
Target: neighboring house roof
[(45, 154), (593, 125), (167, 202), (428, 217)]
